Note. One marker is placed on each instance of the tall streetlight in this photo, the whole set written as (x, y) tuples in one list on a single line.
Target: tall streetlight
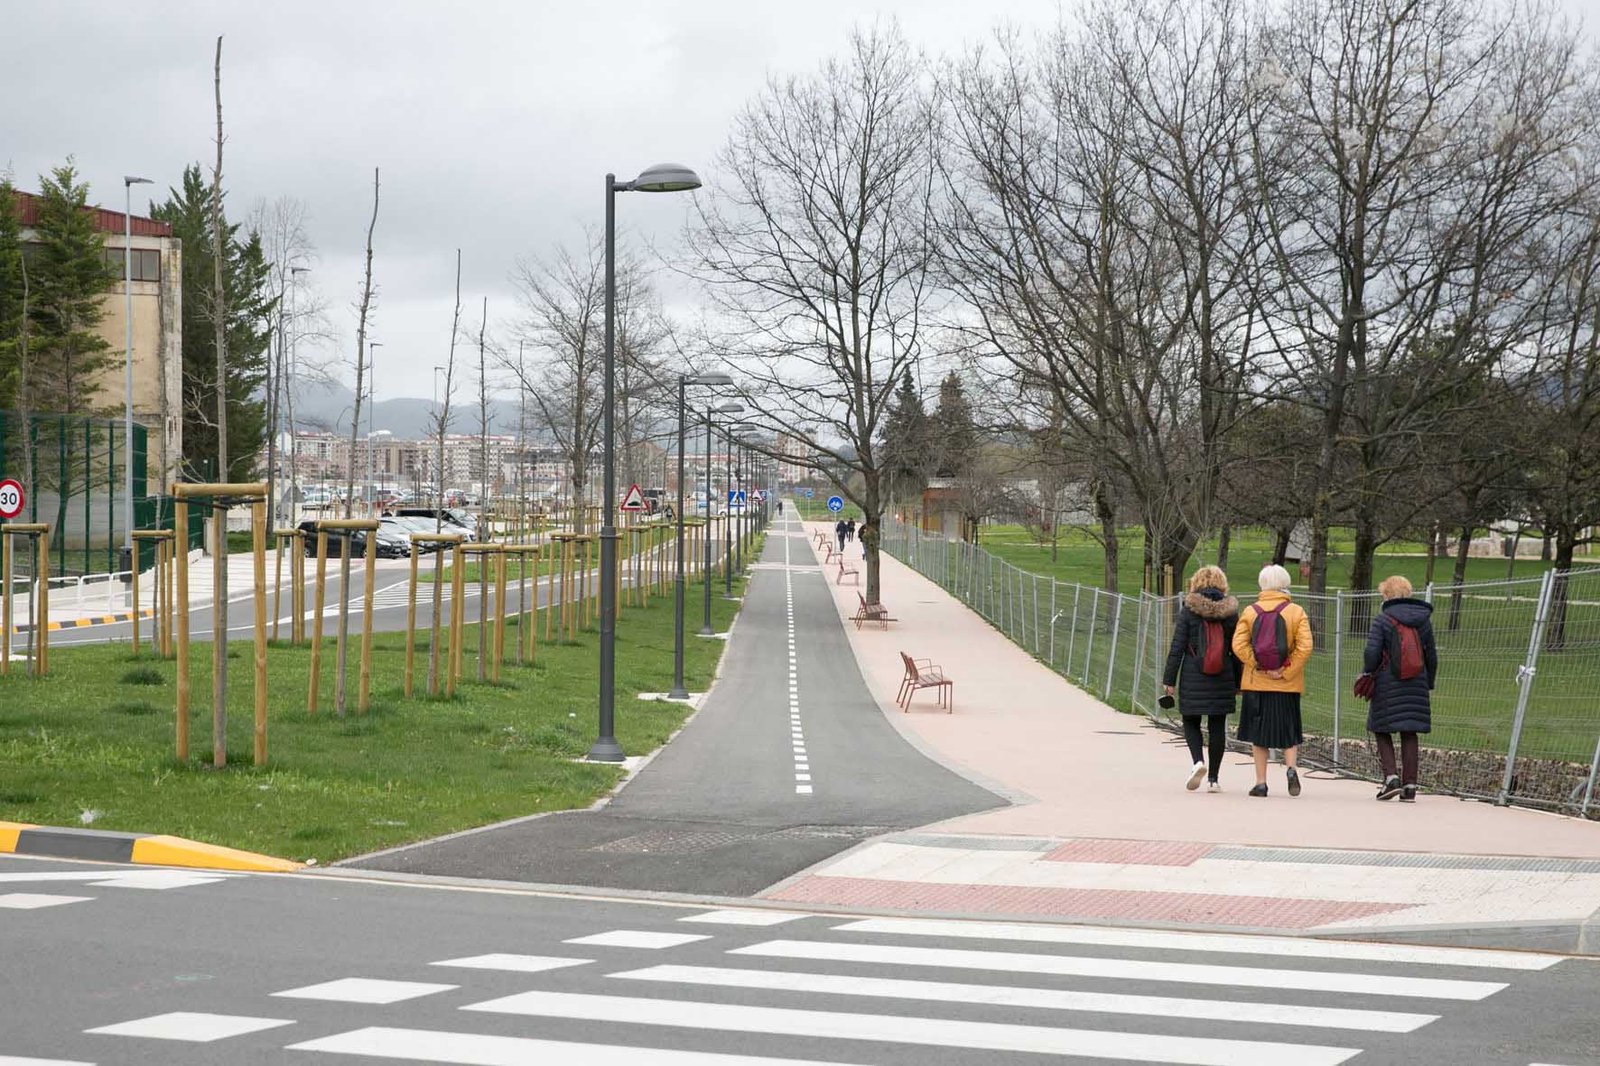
[(679, 690), (128, 183), (663, 177), (727, 523), (729, 408)]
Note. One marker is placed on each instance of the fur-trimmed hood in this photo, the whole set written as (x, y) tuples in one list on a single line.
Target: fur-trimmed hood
[(1212, 604)]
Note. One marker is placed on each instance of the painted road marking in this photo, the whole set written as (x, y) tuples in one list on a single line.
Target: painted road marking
[(148, 879), (513, 963), (32, 901), (1223, 942), (937, 1032), (1128, 969), (1043, 998), (744, 917), (14, 1060), (194, 1027), (637, 938), (476, 1049), (365, 990)]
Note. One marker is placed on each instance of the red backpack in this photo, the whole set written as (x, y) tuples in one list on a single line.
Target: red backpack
[(1408, 663), (1269, 637), (1213, 648)]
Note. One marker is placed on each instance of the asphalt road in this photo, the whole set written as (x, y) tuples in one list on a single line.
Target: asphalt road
[(773, 774), (144, 966)]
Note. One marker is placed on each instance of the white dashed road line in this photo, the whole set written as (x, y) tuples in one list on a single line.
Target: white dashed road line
[(802, 762)]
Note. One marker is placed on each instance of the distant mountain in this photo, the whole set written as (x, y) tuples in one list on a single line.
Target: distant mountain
[(328, 407)]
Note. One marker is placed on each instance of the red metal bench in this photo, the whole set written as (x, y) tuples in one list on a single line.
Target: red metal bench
[(921, 674), (871, 612), (843, 570)]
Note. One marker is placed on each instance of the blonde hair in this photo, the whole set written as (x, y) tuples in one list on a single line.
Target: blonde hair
[(1274, 578), (1209, 577), (1394, 587)]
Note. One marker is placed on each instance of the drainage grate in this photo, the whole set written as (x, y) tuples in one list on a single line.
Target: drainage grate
[(673, 842), (945, 840)]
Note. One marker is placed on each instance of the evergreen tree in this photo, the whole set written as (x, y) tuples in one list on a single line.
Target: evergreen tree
[(68, 281), (250, 307), (908, 452), (10, 296), (955, 435)]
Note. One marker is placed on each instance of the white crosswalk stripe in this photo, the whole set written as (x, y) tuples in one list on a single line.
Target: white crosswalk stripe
[(736, 999)]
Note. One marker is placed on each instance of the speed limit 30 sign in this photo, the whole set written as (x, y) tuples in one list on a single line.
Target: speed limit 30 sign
[(11, 499)]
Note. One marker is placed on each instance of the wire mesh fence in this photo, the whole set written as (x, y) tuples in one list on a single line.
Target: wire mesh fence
[(1516, 707)]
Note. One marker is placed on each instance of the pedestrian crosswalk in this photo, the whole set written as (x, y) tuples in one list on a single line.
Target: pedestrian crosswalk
[(720, 988)]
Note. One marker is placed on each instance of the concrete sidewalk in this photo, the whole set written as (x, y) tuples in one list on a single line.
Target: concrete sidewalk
[(1102, 828)]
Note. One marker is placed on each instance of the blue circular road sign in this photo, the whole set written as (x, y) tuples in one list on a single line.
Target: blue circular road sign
[(835, 504)]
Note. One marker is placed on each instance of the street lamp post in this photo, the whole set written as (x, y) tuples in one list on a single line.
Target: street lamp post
[(663, 177), (731, 408), (727, 525), (679, 690), (128, 183)]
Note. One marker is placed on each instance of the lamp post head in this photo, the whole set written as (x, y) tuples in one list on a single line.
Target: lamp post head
[(732, 407), (128, 179), (666, 177), (706, 379)]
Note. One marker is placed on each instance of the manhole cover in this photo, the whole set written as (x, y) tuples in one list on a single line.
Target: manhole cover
[(672, 842)]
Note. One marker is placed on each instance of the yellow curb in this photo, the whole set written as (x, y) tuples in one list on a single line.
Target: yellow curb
[(176, 851), (9, 831)]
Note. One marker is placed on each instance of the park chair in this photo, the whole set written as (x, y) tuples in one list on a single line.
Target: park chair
[(844, 569), (871, 612), (921, 674)]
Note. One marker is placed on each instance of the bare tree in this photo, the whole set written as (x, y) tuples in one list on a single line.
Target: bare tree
[(815, 252), (1096, 235), (219, 314), (362, 308), (441, 419)]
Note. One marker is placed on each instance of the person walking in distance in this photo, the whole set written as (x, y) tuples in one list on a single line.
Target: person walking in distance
[(1273, 642), (850, 529), (1402, 661), (840, 531), (1205, 671)]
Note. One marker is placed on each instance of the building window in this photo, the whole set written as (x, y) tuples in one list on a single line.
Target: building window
[(146, 264)]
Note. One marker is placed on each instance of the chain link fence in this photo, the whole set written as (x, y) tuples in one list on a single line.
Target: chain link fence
[(1516, 710)]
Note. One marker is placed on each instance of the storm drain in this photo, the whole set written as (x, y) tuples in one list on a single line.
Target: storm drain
[(701, 841)]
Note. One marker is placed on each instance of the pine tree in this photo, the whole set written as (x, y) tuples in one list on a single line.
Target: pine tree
[(908, 453), (10, 296), (68, 282), (250, 307), (955, 435)]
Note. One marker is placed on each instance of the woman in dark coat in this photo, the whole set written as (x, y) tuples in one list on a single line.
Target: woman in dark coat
[(1200, 694), (1399, 705)]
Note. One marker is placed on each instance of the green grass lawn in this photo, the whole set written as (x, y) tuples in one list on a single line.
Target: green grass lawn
[(97, 735)]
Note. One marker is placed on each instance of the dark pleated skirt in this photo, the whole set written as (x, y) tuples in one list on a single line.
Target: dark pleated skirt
[(1270, 719)]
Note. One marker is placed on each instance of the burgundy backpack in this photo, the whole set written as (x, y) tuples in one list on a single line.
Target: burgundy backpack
[(1269, 637), (1409, 662), (1213, 648)]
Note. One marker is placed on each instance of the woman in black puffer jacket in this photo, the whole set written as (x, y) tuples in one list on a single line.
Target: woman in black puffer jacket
[(1207, 684), (1399, 705)]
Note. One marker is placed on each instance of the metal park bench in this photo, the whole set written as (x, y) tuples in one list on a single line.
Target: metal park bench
[(871, 612), (921, 674)]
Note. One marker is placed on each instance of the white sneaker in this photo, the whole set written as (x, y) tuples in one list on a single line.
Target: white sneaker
[(1197, 775), (1212, 786)]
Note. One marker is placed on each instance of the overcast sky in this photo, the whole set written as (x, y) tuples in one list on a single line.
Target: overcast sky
[(494, 123)]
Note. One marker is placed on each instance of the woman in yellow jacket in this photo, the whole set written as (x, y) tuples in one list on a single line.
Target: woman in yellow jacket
[(1273, 641)]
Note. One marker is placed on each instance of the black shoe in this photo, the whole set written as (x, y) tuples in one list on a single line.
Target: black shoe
[(1389, 789), (1294, 782), (1259, 790), (1408, 794)]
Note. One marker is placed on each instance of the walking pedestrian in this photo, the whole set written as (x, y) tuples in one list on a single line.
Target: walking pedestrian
[(850, 529), (840, 531), (780, 506), (1273, 642), (1402, 661), (1205, 671)]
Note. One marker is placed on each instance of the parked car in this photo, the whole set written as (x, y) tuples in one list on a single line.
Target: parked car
[(454, 519), (413, 524), (391, 543)]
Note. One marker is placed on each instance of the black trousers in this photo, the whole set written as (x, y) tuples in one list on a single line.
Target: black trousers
[(1408, 756), (1217, 727)]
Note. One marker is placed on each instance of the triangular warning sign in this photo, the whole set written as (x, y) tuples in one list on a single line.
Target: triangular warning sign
[(632, 500)]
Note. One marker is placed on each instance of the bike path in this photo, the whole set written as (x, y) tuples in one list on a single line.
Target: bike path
[(757, 787)]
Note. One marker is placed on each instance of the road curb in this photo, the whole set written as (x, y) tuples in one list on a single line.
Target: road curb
[(85, 622), (149, 849)]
